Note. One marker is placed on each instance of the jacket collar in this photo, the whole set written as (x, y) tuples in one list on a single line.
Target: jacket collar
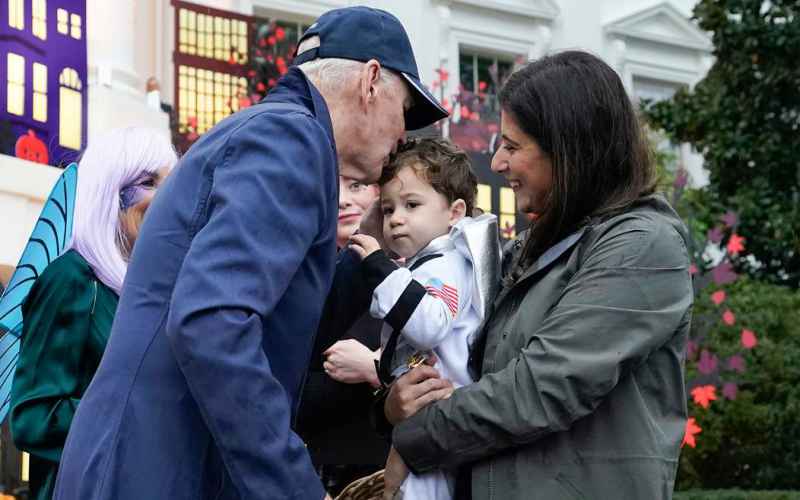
[(295, 88), (545, 260), (554, 252), (437, 245)]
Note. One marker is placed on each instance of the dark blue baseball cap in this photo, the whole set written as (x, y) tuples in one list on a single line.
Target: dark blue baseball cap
[(363, 33)]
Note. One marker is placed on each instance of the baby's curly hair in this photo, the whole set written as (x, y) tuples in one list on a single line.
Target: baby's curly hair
[(439, 162)]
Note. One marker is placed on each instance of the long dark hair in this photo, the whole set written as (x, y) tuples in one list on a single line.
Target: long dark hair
[(577, 110)]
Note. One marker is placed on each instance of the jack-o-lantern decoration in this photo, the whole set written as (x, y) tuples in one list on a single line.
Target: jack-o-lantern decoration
[(31, 148)]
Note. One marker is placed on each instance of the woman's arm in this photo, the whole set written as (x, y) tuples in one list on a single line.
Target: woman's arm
[(46, 388), (631, 294)]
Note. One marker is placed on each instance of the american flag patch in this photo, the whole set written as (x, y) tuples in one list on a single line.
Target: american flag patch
[(447, 293)]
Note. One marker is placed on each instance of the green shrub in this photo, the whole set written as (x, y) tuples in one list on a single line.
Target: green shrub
[(752, 441)]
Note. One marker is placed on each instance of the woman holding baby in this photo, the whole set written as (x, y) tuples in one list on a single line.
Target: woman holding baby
[(579, 388)]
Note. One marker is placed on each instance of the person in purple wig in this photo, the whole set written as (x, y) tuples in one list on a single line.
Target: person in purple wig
[(71, 306)]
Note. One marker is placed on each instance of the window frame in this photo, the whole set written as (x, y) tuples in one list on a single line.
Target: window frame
[(69, 94), (39, 86), (39, 19), (15, 89), (16, 14), (476, 54), (187, 54)]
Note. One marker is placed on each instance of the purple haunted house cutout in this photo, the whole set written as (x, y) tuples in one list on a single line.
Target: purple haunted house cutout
[(43, 87)]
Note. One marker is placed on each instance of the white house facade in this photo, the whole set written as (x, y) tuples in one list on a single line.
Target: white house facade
[(652, 44)]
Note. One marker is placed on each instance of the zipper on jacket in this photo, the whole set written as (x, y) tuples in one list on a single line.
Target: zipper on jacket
[(491, 479)]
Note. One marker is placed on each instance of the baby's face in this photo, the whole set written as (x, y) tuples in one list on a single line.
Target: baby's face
[(413, 213)]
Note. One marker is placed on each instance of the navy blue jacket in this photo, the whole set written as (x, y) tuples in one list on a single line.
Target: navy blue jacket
[(196, 391)]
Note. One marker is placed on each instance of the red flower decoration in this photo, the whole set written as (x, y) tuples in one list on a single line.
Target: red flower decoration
[(271, 40), (715, 234), (728, 317), (736, 363), (718, 297), (730, 218), (703, 395), (280, 33), (749, 339), (692, 429), (723, 274), (691, 349), (730, 390), (735, 244), (708, 363)]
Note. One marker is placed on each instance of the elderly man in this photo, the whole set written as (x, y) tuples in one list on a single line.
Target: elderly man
[(198, 385)]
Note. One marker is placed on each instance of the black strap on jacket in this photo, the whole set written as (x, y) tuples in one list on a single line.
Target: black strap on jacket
[(398, 317)]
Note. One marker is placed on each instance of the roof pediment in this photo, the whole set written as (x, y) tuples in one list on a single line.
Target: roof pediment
[(662, 23)]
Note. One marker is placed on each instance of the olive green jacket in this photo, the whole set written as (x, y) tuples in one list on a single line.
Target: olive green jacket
[(68, 316), (581, 393)]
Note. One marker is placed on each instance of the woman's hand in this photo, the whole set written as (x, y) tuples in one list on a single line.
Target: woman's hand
[(351, 362), (364, 245), (394, 474), (413, 391)]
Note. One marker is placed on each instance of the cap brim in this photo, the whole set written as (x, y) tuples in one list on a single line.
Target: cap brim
[(426, 110)]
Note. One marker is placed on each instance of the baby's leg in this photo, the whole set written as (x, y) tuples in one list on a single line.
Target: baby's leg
[(393, 476)]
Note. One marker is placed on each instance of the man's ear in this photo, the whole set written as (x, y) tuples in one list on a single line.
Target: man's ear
[(458, 209), (370, 76)]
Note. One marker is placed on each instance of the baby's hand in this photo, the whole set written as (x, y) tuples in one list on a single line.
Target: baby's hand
[(364, 245), (393, 476)]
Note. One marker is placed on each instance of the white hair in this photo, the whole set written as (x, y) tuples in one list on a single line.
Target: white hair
[(330, 73), (110, 163)]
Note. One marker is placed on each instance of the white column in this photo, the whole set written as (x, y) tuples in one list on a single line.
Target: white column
[(115, 89)]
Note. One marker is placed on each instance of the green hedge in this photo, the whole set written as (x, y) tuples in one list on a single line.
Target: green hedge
[(736, 495), (754, 440)]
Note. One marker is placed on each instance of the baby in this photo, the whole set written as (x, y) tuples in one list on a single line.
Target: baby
[(434, 302)]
